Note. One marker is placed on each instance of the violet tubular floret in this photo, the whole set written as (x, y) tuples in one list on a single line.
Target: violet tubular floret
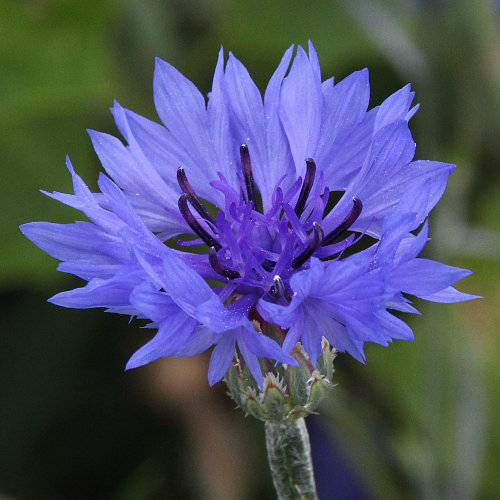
[(246, 166), (191, 195), (262, 239), (220, 268), (345, 224), (313, 245), (194, 224), (306, 186)]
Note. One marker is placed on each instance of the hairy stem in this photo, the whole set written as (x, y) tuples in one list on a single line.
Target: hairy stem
[(289, 454)]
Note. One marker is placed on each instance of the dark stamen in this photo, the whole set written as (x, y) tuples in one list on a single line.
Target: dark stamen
[(193, 198), (220, 268), (246, 166), (306, 186), (268, 264), (194, 224), (278, 289), (313, 245), (346, 223)]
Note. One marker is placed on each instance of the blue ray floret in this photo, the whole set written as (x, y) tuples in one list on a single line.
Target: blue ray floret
[(274, 194)]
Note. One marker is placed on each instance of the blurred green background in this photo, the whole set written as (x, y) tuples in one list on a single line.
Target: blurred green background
[(420, 420)]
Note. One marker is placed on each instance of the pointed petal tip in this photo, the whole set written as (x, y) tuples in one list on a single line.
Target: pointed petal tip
[(214, 377), (357, 352), (301, 52), (46, 193), (163, 69), (287, 55), (130, 366), (465, 273), (26, 229), (135, 362), (462, 296), (117, 107), (363, 72), (409, 337), (94, 135), (55, 299), (69, 165)]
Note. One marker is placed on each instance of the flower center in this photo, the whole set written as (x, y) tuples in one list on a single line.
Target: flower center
[(261, 251)]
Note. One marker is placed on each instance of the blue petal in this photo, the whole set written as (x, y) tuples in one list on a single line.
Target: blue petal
[(192, 294), (424, 277), (313, 58), (416, 201), (411, 246), (186, 287), (90, 270), (434, 173), (326, 319), (221, 358), (395, 107), (247, 115), (343, 340), (278, 150), (78, 241), (172, 334), (267, 348), (280, 314), (202, 339), (98, 293), (305, 282), (345, 106), (226, 151), (338, 301), (251, 360), (130, 172), (392, 149), (85, 201), (161, 149), (344, 157), (155, 305), (157, 144), (311, 340), (219, 318), (449, 295), (301, 109), (394, 327), (181, 108), (134, 232), (437, 172), (396, 243), (295, 332), (121, 207)]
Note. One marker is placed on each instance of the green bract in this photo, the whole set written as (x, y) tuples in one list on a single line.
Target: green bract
[(291, 392)]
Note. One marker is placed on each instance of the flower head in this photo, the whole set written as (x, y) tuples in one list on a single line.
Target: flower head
[(276, 192)]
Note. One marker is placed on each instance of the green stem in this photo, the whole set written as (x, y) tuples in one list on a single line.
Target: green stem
[(289, 454)]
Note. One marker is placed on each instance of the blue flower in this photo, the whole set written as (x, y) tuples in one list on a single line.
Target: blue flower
[(276, 192)]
